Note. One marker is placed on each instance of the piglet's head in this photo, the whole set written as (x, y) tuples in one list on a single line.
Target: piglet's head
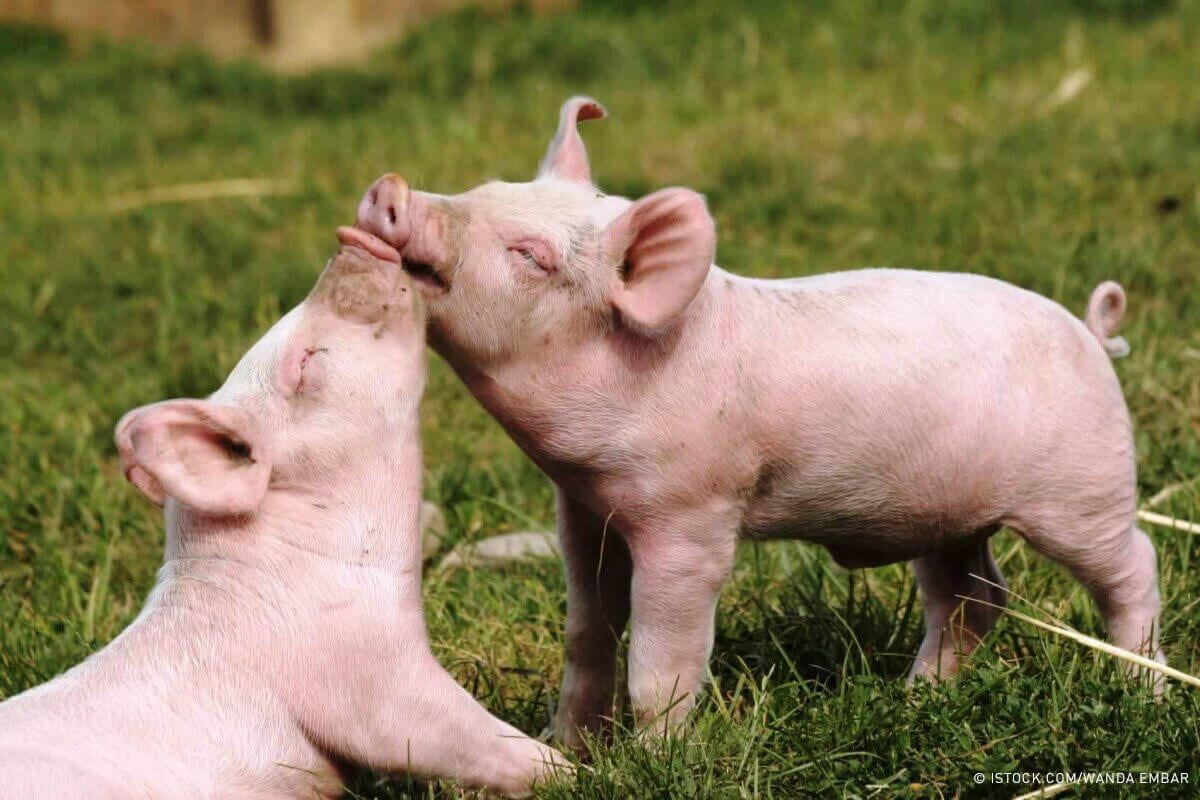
[(508, 267), (338, 377)]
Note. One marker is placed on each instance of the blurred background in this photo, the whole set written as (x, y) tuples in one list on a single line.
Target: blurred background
[(291, 35), (171, 174)]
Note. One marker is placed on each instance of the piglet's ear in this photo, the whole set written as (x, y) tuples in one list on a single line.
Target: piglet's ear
[(665, 244), (143, 481), (203, 454), (566, 157)]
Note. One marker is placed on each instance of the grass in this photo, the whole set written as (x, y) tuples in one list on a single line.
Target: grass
[(827, 136)]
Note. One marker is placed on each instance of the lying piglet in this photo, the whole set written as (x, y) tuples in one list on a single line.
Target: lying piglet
[(284, 638), (886, 414)]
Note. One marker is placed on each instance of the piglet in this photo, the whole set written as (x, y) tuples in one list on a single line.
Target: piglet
[(887, 415), (284, 639)]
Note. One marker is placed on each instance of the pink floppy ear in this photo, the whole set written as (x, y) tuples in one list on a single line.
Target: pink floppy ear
[(665, 243), (143, 481), (566, 157), (203, 454)]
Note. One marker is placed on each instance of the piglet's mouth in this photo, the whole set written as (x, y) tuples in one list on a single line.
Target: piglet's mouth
[(424, 274), (356, 237)]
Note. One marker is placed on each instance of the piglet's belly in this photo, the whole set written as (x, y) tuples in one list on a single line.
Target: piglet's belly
[(869, 529), (867, 542)]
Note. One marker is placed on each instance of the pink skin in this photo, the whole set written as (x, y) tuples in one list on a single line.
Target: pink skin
[(284, 638), (886, 414)]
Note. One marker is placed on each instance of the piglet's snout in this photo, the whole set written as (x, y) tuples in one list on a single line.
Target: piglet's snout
[(384, 210), (359, 287)]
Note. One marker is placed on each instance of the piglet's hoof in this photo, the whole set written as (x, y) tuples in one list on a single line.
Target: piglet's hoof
[(507, 548)]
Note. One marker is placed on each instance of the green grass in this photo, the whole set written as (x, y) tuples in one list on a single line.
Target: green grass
[(827, 136)]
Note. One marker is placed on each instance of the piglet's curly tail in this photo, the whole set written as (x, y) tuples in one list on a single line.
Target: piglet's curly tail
[(1105, 309)]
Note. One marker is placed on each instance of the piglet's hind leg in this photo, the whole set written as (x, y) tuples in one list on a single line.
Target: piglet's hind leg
[(954, 626), (1116, 561)]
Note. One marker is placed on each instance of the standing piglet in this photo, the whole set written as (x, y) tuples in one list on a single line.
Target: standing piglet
[(284, 638), (888, 415)]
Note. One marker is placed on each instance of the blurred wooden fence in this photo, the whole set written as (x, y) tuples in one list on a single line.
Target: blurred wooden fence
[(286, 34)]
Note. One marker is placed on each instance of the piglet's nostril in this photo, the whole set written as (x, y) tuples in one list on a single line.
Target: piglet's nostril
[(384, 209)]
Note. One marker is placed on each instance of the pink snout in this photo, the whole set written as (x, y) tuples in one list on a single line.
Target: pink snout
[(384, 210)]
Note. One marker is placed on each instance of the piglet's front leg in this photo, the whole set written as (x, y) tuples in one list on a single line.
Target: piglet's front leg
[(462, 741), (430, 726), (598, 575), (678, 572)]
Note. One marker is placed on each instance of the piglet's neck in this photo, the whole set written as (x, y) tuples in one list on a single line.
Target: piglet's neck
[(364, 517)]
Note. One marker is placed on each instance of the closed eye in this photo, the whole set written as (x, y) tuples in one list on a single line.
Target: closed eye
[(533, 257)]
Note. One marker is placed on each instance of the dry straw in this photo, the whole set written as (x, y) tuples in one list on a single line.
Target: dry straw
[(198, 192), (1053, 790), (1167, 492), (1082, 638), (1168, 522)]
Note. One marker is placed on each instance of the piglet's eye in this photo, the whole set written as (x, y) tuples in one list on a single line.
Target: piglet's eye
[(530, 257)]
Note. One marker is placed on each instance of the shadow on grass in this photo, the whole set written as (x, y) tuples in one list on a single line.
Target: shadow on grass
[(821, 625)]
